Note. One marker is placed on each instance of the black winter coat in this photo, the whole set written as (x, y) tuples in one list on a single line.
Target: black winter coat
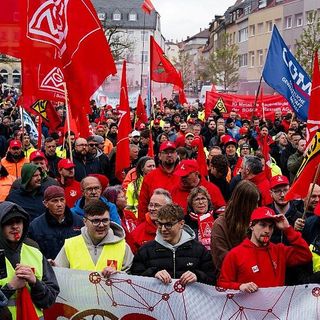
[(190, 256)]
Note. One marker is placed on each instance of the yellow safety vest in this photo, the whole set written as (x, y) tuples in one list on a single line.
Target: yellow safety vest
[(315, 259), (31, 257), (79, 256)]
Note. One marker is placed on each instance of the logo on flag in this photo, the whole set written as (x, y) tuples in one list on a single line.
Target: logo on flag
[(220, 107), (53, 81), (49, 24), (40, 106), (312, 151), (288, 77)]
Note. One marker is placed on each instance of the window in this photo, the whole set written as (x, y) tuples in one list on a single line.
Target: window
[(144, 35), (243, 60), (101, 16), (260, 57), (299, 20), (252, 30), (262, 4), (251, 57), (310, 16), (247, 10), (16, 77), (144, 55), (243, 34), (132, 16), (4, 73), (116, 16), (269, 26), (260, 28), (288, 22), (277, 22)]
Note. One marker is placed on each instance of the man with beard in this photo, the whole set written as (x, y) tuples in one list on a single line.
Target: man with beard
[(56, 224), (14, 159), (85, 163), (50, 146), (257, 262), (292, 210), (161, 177), (67, 181)]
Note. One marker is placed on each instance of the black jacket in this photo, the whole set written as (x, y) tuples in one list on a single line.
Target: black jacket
[(50, 234), (311, 229), (53, 165), (45, 290), (191, 255)]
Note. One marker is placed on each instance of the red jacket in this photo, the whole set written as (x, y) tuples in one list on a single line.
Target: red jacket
[(157, 178), (144, 232), (265, 266), (72, 191), (263, 184), (180, 195)]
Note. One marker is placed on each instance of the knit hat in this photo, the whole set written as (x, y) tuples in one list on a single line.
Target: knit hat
[(53, 192), (104, 181)]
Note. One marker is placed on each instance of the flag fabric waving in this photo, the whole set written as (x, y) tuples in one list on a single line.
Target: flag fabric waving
[(140, 113), (313, 122), (147, 6), (124, 128), (161, 68), (277, 73), (306, 172)]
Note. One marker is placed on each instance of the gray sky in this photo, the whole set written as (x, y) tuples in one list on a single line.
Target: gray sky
[(182, 18)]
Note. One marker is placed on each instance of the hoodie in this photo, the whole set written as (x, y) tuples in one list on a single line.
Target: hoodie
[(45, 290), (265, 266), (115, 234), (187, 255)]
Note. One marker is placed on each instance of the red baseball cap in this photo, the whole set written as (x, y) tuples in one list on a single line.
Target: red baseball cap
[(278, 181), (185, 167), (156, 121), (37, 155), (65, 164), (15, 144), (262, 213), (167, 145)]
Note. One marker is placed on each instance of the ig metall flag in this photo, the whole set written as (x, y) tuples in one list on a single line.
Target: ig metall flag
[(284, 74)]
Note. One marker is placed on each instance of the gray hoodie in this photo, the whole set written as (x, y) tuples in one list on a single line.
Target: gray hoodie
[(115, 234)]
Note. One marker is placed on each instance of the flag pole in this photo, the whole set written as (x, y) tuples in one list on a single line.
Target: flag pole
[(68, 119), (315, 179), (142, 62)]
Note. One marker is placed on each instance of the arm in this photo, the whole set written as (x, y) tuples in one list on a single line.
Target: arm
[(140, 264), (114, 215), (294, 163)]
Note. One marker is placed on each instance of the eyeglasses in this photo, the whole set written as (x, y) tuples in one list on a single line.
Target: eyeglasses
[(92, 145), (91, 189), (96, 222), (280, 191), (166, 225), (166, 152), (82, 145), (203, 199), (154, 205)]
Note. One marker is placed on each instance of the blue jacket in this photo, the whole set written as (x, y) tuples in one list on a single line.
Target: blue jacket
[(114, 215), (50, 234)]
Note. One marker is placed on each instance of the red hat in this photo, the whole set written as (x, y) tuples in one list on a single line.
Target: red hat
[(53, 192), (37, 155), (100, 126), (243, 131), (156, 121), (262, 213), (185, 167), (102, 178), (167, 145), (278, 181), (229, 140), (15, 144), (65, 164)]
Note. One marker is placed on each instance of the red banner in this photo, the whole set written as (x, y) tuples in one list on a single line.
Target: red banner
[(244, 105)]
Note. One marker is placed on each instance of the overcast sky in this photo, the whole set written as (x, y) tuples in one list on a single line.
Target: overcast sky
[(182, 18)]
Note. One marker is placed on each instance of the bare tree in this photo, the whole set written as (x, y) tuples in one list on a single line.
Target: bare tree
[(183, 64)]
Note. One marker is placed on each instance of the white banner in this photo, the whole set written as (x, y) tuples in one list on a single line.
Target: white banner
[(85, 295)]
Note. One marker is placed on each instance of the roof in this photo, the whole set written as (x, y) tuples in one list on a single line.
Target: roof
[(204, 34), (125, 7)]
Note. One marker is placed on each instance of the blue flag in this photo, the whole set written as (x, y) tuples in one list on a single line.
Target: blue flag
[(284, 74)]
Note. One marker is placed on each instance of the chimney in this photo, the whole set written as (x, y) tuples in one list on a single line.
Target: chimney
[(200, 29)]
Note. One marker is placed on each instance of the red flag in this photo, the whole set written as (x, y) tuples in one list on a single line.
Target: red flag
[(306, 172), (140, 113), (73, 125), (25, 307), (182, 97), (147, 6), (124, 125), (201, 158), (161, 68), (313, 122), (150, 147)]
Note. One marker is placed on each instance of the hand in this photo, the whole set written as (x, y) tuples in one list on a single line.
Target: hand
[(249, 287), (25, 273), (108, 271), (299, 224), (52, 263), (188, 277), (164, 276), (17, 283), (282, 222)]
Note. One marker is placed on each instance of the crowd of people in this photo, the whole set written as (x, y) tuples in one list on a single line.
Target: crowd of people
[(223, 220)]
